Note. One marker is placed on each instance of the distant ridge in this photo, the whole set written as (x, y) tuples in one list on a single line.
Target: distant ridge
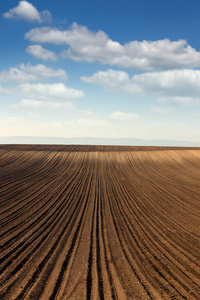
[(94, 141)]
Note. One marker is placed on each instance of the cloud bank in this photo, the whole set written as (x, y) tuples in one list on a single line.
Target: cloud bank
[(173, 83), (86, 45)]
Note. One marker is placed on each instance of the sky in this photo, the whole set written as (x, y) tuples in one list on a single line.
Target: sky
[(105, 69)]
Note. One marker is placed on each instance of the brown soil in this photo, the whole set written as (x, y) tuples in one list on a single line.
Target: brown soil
[(99, 222)]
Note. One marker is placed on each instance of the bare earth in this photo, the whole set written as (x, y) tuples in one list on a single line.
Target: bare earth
[(99, 222)]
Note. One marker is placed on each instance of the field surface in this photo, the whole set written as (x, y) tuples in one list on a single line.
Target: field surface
[(99, 222)]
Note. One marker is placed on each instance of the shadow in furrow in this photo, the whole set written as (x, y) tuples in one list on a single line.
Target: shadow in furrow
[(105, 254), (100, 280), (90, 259)]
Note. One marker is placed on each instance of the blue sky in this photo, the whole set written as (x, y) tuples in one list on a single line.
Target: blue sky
[(95, 68)]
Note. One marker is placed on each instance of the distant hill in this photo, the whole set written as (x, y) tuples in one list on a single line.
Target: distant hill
[(94, 141)]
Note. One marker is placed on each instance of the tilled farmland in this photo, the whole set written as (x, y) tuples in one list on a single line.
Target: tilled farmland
[(99, 222)]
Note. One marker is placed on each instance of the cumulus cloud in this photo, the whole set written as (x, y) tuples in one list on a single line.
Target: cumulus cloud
[(26, 11), (16, 75), (175, 83), (47, 92), (89, 46), (122, 116), (27, 73), (109, 79), (42, 71), (171, 83), (40, 52), (75, 36)]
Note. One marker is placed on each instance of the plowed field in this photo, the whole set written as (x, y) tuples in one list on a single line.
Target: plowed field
[(99, 222)]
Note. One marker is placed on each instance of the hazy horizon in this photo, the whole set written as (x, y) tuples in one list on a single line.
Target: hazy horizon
[(95, 141)]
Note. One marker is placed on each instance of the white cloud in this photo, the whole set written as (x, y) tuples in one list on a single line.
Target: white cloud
[(187, 101), (26, 11), (16, 75), (27, 73), (48, 92), (42, 71), (39, 52), (75, 36), (172, 88), (46, 96), (109, 79), (122, 116), (166, 105), (178, 83), (85, 45), (171, 83)]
